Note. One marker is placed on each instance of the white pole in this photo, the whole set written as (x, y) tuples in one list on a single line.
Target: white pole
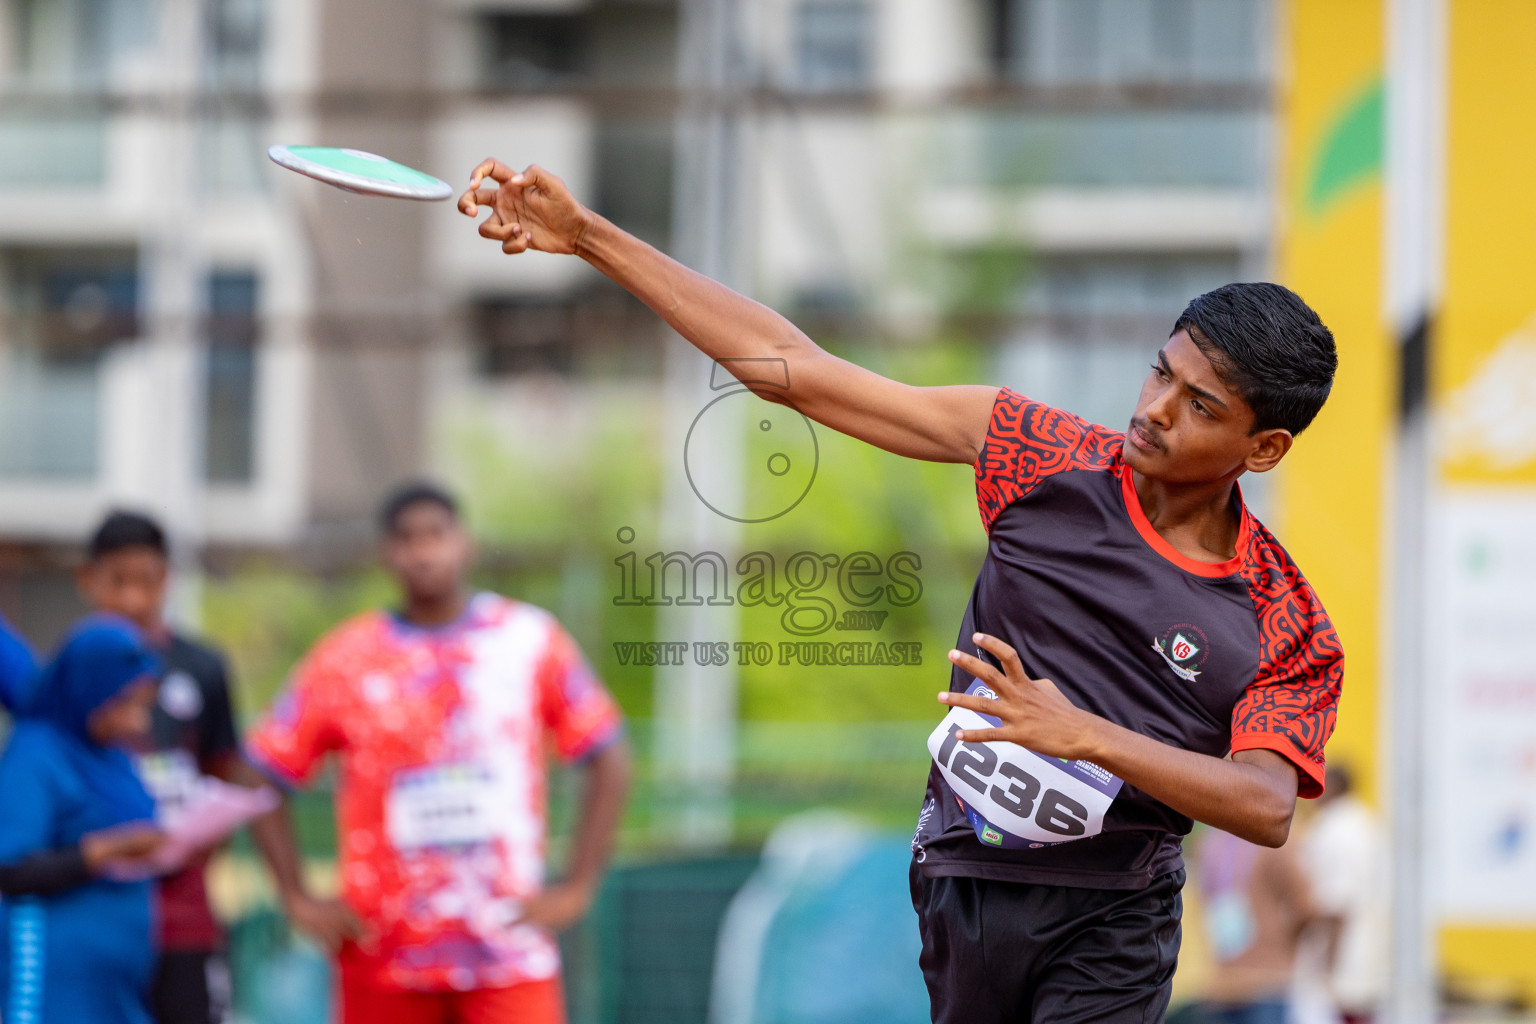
[(177, 281), (1413, 243), (696, 704)]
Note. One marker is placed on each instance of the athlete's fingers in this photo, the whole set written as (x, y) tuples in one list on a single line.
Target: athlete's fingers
[(985, 671), (473, 200), (532, 176), (983, 736), (492, 168), (515, 244), (1003, 652), (981, 705), (494, 228)]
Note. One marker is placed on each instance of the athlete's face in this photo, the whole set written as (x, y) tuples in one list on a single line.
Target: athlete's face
[(1190, 427), (126, 717), (129, 582), (428, 551)]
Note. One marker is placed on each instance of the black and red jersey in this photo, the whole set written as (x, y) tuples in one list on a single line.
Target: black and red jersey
[(1209, 657)]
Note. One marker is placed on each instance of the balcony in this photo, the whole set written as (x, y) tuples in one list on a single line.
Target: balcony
[(52, 150)]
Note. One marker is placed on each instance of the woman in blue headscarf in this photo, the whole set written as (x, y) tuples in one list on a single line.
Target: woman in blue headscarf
[(75, 935), (18, 667)]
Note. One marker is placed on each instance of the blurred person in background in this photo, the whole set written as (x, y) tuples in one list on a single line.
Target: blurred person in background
[(442, 713), (192, 733), (76, 932), (1344, 853), (1257, 903), (18, 667)]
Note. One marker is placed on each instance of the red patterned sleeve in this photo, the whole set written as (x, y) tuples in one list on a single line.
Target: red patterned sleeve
[(1029, 441), (578, 711), (1291, 705), (303, 725)]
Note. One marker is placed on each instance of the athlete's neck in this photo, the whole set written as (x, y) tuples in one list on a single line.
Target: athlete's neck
[(434, 609), (1199, 520)]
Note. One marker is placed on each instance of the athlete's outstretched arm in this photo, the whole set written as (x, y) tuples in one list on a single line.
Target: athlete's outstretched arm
[(1252, 796), (533, 209)]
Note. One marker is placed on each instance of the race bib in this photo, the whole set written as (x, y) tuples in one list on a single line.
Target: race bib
[(442, 805), (1014, 798), (170, 776)]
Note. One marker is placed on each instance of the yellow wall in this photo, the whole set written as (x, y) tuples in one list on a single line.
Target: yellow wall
[(1490, 291), (1490, 269), (1330, 253)]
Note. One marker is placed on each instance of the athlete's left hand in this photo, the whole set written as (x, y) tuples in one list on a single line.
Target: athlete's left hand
[(1033, 711), (557, 907)]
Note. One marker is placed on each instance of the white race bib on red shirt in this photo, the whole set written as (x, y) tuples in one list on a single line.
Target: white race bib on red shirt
[(443, 805)]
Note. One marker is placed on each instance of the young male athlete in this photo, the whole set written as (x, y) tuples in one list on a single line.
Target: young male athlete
[(1132, 624), (442, 714), (126, 572)]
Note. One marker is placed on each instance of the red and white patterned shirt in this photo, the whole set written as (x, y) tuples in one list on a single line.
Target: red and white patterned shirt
[(442, 736)]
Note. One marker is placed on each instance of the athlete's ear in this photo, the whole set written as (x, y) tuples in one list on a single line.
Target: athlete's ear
[(1269, 448)]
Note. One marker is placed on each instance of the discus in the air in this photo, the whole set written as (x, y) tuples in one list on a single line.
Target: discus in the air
[(358, 171)]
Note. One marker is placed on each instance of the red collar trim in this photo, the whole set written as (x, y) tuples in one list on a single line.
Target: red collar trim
[(1155, 540)]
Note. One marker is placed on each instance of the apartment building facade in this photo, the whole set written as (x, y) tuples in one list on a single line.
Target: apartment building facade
[(186, 329)]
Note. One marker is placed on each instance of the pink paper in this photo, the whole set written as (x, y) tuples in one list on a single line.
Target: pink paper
[(209, 814)]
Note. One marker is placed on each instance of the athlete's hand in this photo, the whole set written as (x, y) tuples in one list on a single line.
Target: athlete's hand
[(1034, 713), (557, 907), (127, 848), (530, 209), (330, 923)]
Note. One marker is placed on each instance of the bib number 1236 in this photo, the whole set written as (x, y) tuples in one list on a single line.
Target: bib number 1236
[(1015, 798)]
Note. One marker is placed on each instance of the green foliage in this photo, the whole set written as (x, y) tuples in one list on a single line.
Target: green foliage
[(548, 502), (265, 616), (548, 480)]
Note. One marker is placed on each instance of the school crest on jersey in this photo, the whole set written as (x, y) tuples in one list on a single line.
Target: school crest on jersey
[(1184, 647)]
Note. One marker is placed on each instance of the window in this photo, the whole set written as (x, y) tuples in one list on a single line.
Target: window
[(616, 44), (72, 45), (58, 48), (832, 45), (234, 35), (1133, 288), (531, 50), (1114, 42), (1092, 323), (600, 333), (1187, 147), (634, 175), (231, 157), (519, 337), (230, 441), (62, 308)]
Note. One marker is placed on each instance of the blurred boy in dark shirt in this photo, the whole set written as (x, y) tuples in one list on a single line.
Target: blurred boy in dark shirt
[(193, 733)]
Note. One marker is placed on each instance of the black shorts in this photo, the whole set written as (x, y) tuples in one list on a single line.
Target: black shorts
[(191, 988), (996, 952)]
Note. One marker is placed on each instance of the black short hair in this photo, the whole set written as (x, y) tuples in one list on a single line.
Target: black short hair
[(122, 529), (1270, 346), (415, 493)]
